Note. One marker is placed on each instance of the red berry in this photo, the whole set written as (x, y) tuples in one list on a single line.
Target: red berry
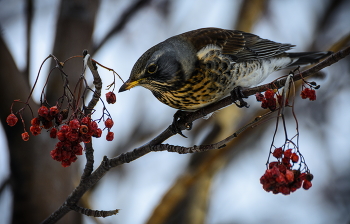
[(275, 172), (304, 93), (74, 124), (85, 120), (65, 163), (288, 153), (72, 136), (271, 104), (278, 152), (11, 120), (109, 123), (47, 124), (269, 93), (35, 130), (281, 179), (286, 161), (61, 136), (284, 190), (54, 111), (289, 176), (264, 104), (282, 168), (109, 136), (78, 149), (111, 98), (53, 133), (272, 164), (259, 97), (64, 128), (312, 95), (25, 136), (35, 121), (307, 184), (97, 133), (294, 158), (309, 177), (43, 111)]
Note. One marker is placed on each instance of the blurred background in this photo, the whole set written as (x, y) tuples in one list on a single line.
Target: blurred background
[(216, 187)]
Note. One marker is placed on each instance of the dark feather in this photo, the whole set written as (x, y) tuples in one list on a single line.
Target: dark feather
[(242, 46)]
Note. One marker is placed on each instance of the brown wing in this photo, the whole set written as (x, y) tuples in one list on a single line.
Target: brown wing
[(239, 45)]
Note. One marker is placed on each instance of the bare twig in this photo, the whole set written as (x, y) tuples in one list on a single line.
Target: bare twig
[(94, 213)]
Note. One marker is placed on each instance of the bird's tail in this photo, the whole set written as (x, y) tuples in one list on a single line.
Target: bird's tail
[(307, 58)]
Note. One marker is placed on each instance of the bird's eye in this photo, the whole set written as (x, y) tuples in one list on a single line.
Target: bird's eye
[(152, 68)]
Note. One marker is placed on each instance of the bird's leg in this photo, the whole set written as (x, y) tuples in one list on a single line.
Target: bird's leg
[(177, 117), (236, 94)]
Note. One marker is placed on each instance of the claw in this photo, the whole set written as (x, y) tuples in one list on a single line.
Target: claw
[(177, 117), (236, 93)]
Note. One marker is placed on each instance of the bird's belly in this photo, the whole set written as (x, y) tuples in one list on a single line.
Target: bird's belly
[(207, 86)]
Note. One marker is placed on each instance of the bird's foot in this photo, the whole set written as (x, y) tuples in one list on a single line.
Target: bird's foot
[(237, 95), (175, 125)]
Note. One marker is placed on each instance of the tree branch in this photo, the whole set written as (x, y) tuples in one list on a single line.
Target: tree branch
[(127, 157)]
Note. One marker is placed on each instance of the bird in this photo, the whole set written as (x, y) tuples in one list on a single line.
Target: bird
[(197, 68)]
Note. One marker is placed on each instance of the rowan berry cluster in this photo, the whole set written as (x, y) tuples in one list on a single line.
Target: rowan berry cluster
[(70, 133), (281, 178), (308, 93), (267, 100)]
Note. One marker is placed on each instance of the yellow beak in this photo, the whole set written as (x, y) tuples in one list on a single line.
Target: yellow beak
[(128, 85)]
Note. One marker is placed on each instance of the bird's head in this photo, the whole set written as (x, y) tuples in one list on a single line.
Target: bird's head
[(163, 67)]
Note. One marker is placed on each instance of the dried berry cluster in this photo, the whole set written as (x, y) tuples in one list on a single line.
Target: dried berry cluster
[(308, 93), (70, 133), (281, 178), (268, 100)]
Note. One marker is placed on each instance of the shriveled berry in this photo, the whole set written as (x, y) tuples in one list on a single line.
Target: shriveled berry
[(109, 123), (35, 130), (289, 176), (312, 95), (307, 184), (288, 153), (272, 164), (294, 158), (278, 152), (286, 161), (309, 177), (259, 97), (25, 136), (61, 136), (11, 120), (85, 120), (74, 124), (54, 111), (269, 93), (111, 98), (64, 128), (53, 133), (47, 124), (264, 104), (110, 136), (35, 121), (97, 133), (64, 113), (72, 136), (43, 111)]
